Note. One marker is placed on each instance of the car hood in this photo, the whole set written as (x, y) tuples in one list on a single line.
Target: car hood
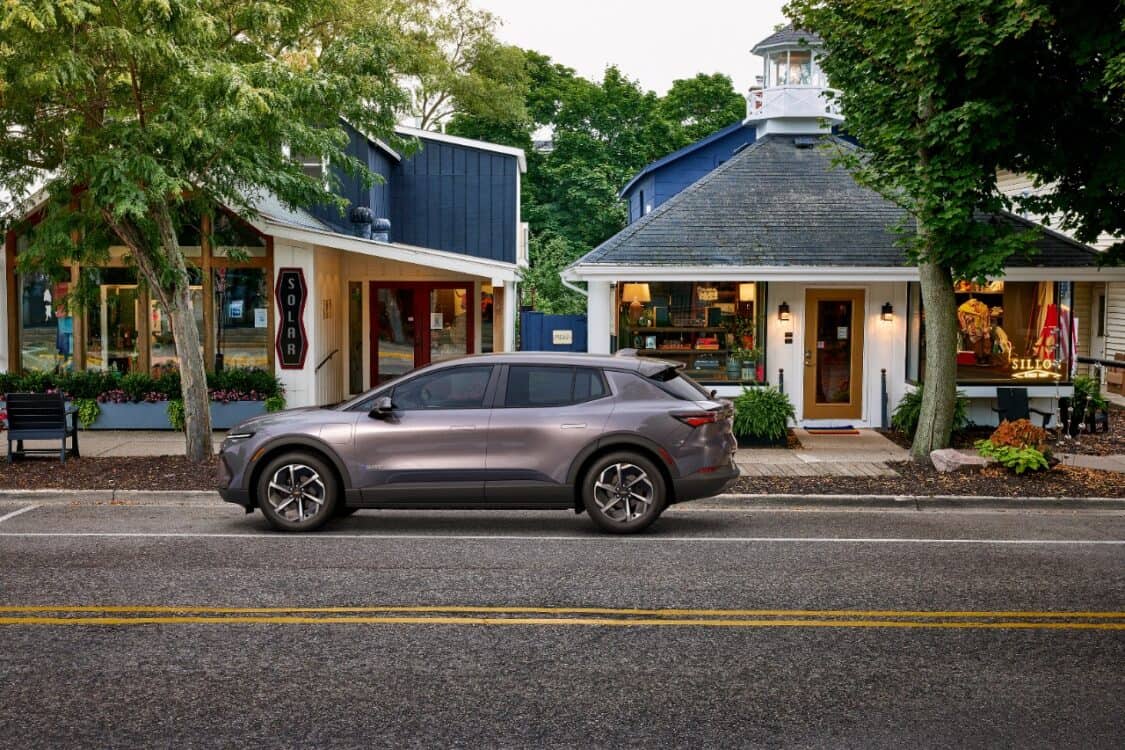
[(273, 419)]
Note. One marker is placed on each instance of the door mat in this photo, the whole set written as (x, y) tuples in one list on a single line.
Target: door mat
[(845, 429)]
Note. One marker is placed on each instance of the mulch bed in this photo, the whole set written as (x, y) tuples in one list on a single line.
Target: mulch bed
[(918, 479), (130, 473), (1100, 444)]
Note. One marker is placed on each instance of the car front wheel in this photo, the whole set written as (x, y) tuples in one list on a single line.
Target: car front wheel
[(624, 492), (297, 492)]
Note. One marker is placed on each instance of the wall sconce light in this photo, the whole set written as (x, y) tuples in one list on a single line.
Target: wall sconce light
[(888, 312), (783, 312)]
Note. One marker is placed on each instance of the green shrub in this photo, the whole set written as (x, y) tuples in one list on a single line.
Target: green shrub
[(909, 410), (1015, 459), (176, 414), (88, 411), (88, 384), (137, 385), (245, 380), (275, 403), (762, 414), (34, 381)]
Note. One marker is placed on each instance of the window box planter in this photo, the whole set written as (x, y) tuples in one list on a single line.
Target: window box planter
[(154, 416), (225, 416), (142, 416)]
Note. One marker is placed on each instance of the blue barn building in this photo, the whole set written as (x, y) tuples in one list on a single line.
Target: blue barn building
[(422, 266)]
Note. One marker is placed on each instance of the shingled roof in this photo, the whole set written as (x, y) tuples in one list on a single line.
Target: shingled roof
[(781, 202), (787, 36)]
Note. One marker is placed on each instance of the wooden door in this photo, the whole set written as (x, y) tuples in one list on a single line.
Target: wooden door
[(833, 354)]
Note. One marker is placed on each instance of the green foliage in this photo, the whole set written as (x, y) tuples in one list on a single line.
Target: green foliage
[(1084, 385), (275, 403), (762, 414), (541, 281), (88, 411), (175, 413), (603, 133), (137, 385), (699, 106), (906, 415), (1015, 459), (250, 380)]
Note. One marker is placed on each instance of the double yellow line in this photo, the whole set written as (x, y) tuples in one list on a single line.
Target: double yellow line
[(51, 615)]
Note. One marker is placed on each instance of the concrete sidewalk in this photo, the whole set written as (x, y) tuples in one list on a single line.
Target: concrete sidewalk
[(864, 455), (102, 443)]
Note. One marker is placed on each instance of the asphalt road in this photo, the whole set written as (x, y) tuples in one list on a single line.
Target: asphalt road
[(196, 627)]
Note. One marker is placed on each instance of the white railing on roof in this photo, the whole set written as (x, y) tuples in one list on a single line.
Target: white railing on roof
[(792, 101)]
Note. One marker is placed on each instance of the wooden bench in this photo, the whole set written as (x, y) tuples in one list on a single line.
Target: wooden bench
[(40, 416)]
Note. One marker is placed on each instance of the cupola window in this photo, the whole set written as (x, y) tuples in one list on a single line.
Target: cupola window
[(792, 68)]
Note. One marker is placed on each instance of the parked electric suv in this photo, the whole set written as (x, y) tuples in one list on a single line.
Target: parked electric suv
[(619, 437)]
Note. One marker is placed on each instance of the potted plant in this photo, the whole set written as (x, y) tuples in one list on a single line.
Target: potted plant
[(742, 329), (750, 360), (761, 416)]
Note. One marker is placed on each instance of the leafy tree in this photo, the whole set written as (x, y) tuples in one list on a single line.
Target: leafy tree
[(542, 282), (924, 89), (462, 68), (141, 112), (1068, 124), (702, 105)]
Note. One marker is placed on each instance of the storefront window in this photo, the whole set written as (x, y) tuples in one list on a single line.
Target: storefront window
[(241, 318), (46, 330), (113, 320), (716, 328), (163, 351), (449, 323), (1007, 332)]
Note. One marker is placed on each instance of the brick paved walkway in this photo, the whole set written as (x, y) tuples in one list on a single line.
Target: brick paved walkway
[(864, 455)]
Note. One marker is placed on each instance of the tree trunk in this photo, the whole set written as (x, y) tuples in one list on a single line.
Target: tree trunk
[(939, 393), (172, 291)]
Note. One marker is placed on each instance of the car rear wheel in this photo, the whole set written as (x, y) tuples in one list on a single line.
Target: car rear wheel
[(624, 492), (297, 492)]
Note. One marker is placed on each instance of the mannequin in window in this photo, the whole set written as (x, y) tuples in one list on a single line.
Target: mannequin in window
[(973, 319)]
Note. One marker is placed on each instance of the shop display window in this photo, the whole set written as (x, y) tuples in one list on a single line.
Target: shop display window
[(113, 321), (1007, 332), (241, 317), (162, 346), (715, 328), (46, 327)]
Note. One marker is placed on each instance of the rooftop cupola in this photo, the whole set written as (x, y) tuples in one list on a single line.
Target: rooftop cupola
[(792, 98)]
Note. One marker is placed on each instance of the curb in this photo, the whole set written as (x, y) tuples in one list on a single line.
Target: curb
[(205, 498), (170, 498), (915, 502)]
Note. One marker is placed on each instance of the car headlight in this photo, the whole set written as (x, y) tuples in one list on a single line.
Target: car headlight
[(237, 437)]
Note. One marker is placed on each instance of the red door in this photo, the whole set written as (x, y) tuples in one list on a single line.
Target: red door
[(416, 323)]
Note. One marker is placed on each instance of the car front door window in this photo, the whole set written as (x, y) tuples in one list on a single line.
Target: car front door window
[(456, 388)]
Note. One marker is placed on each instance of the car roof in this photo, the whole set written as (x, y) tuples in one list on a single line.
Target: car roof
[(644, 365)]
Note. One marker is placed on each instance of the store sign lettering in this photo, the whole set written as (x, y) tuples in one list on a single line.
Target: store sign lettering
[(292, 340), (1036, 369)]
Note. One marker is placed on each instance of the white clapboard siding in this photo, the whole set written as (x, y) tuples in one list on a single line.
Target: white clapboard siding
[(1115, 319), (1014, 185)]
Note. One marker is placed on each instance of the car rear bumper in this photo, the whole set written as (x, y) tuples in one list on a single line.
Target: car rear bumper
[(704, 484)]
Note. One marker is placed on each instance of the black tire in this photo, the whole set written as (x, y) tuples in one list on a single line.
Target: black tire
[(294, 514), (614, 486)]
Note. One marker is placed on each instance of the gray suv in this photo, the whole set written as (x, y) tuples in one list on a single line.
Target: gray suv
[(619, 437)]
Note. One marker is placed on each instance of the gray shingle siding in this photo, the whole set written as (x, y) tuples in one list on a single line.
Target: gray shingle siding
[(776, 205)]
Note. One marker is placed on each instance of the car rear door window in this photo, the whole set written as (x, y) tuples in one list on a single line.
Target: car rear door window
[(544, 385), (453, 388)]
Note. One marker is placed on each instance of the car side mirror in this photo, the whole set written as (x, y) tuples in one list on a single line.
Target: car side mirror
[(383, 408)]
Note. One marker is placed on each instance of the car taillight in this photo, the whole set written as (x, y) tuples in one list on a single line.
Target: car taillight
[(697, 418)]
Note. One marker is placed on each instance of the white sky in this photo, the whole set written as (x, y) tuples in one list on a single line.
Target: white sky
[(653, 41)]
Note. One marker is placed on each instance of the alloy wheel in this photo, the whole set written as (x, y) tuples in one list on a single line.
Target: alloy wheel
[(624, 492), (296, 492)]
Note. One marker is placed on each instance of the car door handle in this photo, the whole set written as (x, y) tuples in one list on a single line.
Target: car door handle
[(463, 427), (573, 426)]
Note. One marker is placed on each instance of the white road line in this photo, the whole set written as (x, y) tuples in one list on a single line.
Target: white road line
[(15, 513), (580, 539)]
